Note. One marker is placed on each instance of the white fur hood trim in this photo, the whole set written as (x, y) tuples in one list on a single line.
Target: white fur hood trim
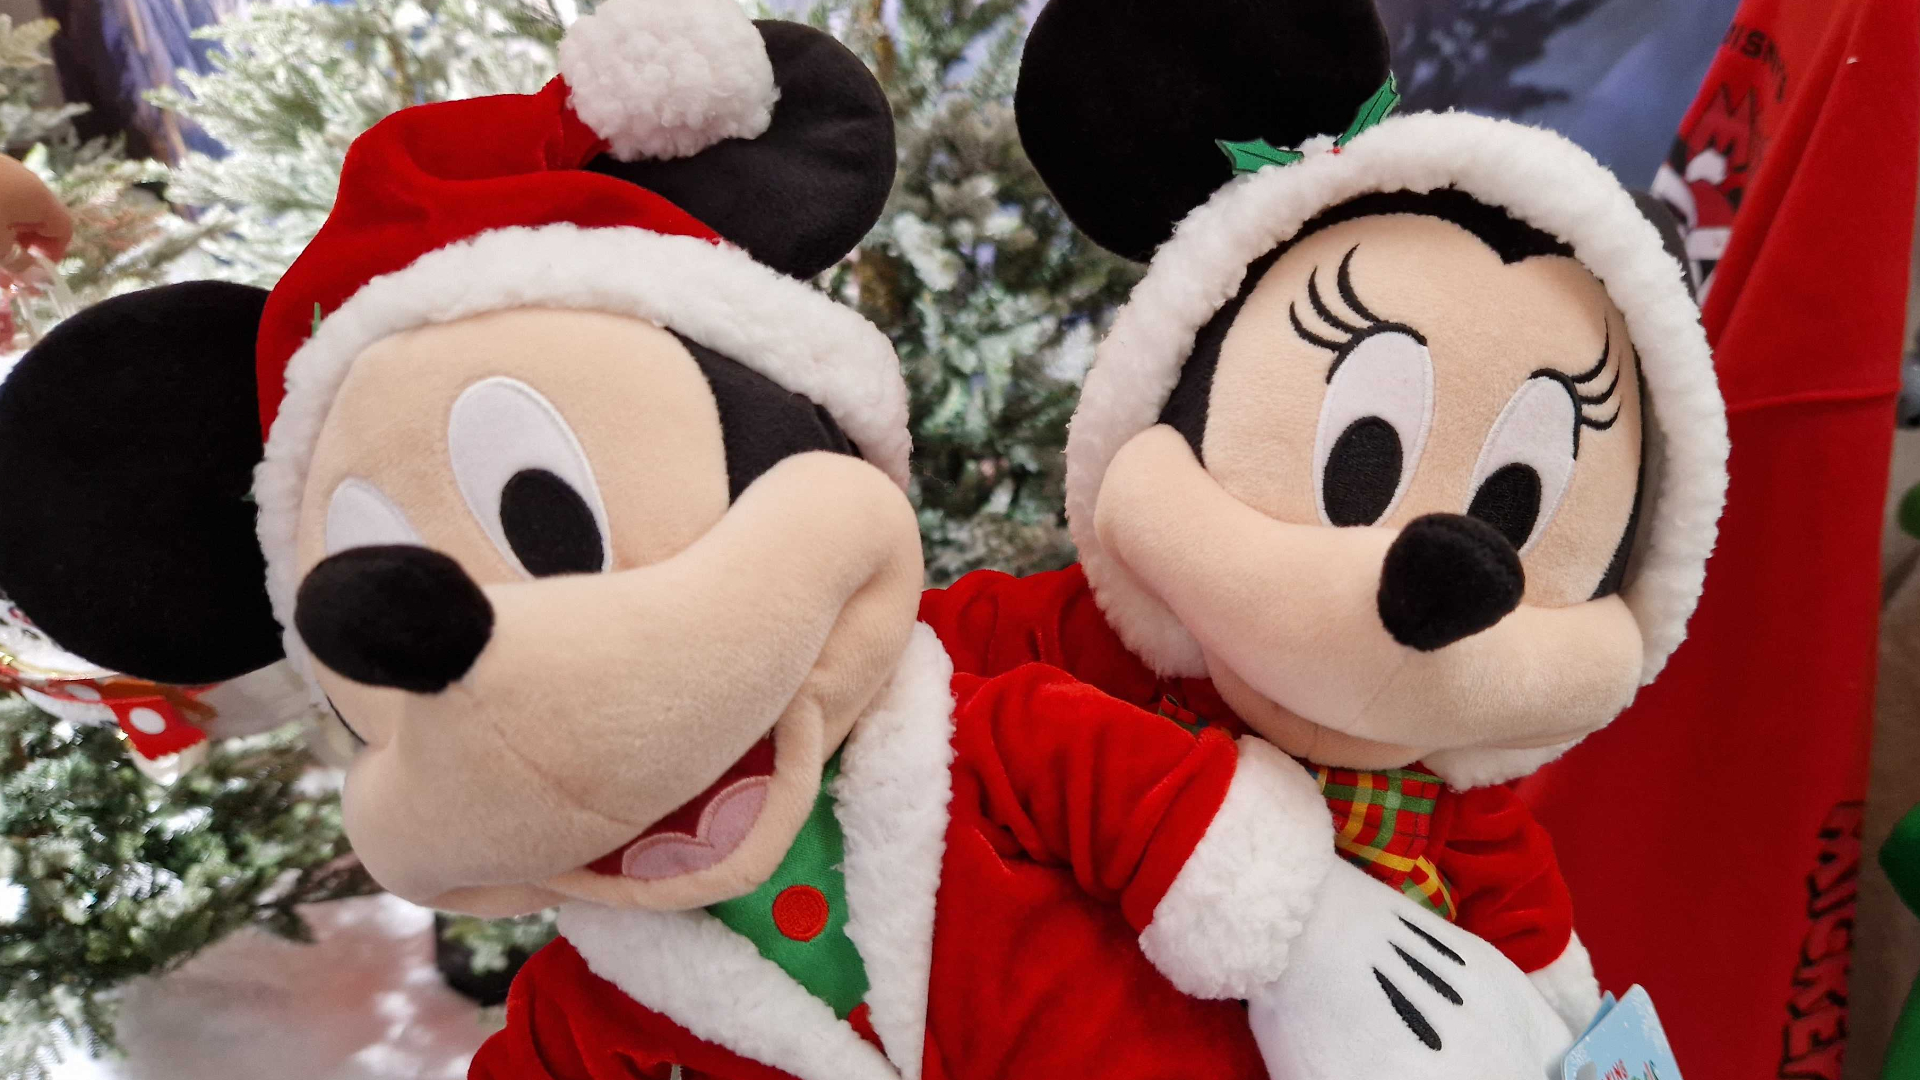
[(1225, 927), (1542, 179), (894, 786), (713, 293), (668, 78)]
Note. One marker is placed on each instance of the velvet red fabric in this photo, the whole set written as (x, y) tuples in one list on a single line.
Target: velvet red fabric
[(1071, 815), (1713, 832), (1496, 858), (431, 175)]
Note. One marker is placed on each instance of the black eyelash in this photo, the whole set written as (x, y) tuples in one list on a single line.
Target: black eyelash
[(343, 722), (1581, 402), (1369, 323)]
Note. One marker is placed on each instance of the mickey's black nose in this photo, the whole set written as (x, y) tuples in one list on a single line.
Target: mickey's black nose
[(1447, 577), (400, 616)]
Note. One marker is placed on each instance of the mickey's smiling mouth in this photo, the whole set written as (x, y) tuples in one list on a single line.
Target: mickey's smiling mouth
[(702, 831)]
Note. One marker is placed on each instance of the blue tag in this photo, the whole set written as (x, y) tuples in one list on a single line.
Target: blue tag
[(1624, 1042)]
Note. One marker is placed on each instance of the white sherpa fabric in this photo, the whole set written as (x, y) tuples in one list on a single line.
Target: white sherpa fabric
[(892, 795), (896, 781), (1539, 177), (713, 293), (1225, 927), (668, 78), (1569, 986)]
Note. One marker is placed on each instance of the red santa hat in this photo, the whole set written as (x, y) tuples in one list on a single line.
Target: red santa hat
[(660, 175)]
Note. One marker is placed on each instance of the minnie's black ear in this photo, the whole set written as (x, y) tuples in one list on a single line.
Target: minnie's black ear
[(799, 197), (1655, 210), (1121, 103), (128, 438)]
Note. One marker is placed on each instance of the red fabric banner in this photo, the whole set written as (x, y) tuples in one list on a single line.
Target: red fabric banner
[(1711, 835)]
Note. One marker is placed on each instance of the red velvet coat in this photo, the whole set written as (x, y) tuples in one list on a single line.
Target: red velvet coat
[(1012, 852), (1498, 860)]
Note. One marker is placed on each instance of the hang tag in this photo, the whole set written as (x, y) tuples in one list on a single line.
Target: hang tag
[(1624, 1042)]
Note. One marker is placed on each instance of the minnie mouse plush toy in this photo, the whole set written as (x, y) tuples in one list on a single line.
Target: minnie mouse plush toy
[(1406, 455)]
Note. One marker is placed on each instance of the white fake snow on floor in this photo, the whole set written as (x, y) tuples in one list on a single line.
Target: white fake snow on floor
[(363, 1003)]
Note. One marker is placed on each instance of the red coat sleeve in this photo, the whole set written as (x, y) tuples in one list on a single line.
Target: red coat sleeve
[(1057, 772), (992, 622), (1506, 881)]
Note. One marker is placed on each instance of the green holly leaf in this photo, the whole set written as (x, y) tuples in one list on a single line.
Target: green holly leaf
[(1373, 110), (1257, 154)]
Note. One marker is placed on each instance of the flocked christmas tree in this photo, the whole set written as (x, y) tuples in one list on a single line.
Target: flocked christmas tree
[(105, 874), (124, 235)]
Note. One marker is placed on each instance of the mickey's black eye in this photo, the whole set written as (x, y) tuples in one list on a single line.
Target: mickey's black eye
[(1373, 426), (549, 525), (1509, 500), (527, 479), (1362, 473)]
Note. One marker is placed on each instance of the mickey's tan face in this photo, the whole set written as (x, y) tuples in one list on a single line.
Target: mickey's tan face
[(644, 718), (1383, 371)]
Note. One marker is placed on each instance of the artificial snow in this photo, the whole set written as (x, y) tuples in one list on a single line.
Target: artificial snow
[(363, 1003)]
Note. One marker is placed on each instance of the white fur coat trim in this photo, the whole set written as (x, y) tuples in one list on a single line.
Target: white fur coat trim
[(1569, 986), (1225, 927), (894, 787)]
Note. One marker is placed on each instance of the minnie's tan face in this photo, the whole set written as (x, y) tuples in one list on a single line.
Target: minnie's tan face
[(577, 668), (1383, 371)]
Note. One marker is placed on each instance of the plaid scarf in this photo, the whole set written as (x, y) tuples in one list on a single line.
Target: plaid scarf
[(1382, 821)]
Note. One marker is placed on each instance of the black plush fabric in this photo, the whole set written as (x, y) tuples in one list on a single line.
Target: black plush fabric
[(1120, 102), (1186, 408), (1362, 472), (128, 439), (762, 422), (1509, 237), (395, 615), (549, 525), (1615, 578), (1509, 500), (1447, 577), (1663, 220), (800, 196)]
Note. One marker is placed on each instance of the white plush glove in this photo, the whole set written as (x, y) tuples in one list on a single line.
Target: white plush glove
[(1379, 988)]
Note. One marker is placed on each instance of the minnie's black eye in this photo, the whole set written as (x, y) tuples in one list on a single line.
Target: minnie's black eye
[(1373, 426), (549, 525), (1362, 472), (1509, 500)]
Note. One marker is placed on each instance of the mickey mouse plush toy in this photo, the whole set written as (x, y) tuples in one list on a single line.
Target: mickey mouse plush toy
[(587, 519), (1406, 455)]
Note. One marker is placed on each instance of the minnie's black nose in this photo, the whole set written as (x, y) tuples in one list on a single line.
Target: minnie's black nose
[(399, 615), (1447, 577)]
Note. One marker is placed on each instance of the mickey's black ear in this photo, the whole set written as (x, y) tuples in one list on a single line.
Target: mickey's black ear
[(799, 197), (1121, 103), (128, 438)]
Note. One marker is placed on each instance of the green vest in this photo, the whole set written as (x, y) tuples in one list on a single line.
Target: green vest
[(798, 919)]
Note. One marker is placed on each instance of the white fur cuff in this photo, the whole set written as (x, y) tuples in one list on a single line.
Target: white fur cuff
[(1569, 986), (668, 78), (1225, 927)]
